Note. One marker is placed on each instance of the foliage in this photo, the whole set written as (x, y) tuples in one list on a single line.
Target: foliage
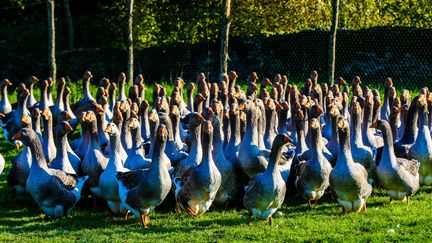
[(166, 22)]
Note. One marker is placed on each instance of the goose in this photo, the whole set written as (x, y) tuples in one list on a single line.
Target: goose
[(121, 84), (361, 154), (53, 190), (190, 95), (84, 103), (265, 192), (135, 158), (49, 148), (12, 125), (94, 162), (172, 150), (228, 189), (102, 136), (30, 82), (349, 180), (421, 150), (20, 168), (51, 83), (261, 123), (175, 120), (154, 124), (5, 105), (313, 175), (398, 176), (233, 146), (385, 111), (271, 126), (196, 190), (108, 182), (251, 158), (142, 190), (44, 103), (112, 95), (58, 106), (72, 119), (195, 154), (145, 125), (36, 120), (402, 147), (62, 161)]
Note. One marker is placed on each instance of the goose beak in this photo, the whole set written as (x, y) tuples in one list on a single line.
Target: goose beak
[(108, 128), (17, 135), (2, 115), (162, 131), (200, 118), (99, 109), (287, 139), (7, 82), (68, 127), (68, 116)]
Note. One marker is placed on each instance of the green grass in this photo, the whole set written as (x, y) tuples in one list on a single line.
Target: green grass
[(21, 220)]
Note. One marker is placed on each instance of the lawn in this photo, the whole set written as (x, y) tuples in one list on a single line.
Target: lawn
[(21, 220)]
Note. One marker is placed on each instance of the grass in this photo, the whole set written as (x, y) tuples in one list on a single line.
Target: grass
[(21, 220)]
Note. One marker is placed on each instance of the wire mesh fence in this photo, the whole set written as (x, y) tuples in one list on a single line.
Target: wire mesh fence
[(403, 53)]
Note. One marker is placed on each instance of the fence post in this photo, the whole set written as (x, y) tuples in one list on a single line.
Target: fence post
[(332, 43), (130, 67), (51, 39), (69, 24), (226, 21)]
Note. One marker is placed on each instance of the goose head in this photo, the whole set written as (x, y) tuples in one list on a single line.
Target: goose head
[(63, 128), (26, 135)]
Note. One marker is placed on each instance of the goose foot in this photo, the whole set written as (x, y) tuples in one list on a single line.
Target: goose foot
[(363, 208), (127, 215), (408, 200), (312, 203), (142, 220), (270, 221)]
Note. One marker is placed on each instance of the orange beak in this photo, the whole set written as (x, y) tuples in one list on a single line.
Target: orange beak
[(17, 135), (68, 127)]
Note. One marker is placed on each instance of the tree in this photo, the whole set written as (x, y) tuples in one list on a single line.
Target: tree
[(69, 25), (130, 42), (51, 39), (225, 26), (332, 43)]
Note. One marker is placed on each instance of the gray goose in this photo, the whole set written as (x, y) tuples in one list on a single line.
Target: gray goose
[(5, 105), (229, 188), (195, 154), (135, 158), (20, 168), (251, 158), (198, 187), (58, 106), (53, 190), (31, 81), (361, 154), (49, 148), (233, 145), (62, 161), (398, 176), (265, 192), (349, 180), (142, 190), (108, 182), (313, 175), (94, 162), (421, 150)]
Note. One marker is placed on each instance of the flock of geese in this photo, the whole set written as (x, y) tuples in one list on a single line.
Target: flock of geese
[(222, 144)]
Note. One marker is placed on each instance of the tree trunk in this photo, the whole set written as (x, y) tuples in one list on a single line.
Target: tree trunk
[(130, 67), (332, 43), (69, 25), (226, 21), (51, 39)]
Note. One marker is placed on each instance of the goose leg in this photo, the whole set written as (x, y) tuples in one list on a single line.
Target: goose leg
[(147, 219), (177, 208), (127, 215), (249, 218), (270, 221), (407, 200), (143, 220)]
